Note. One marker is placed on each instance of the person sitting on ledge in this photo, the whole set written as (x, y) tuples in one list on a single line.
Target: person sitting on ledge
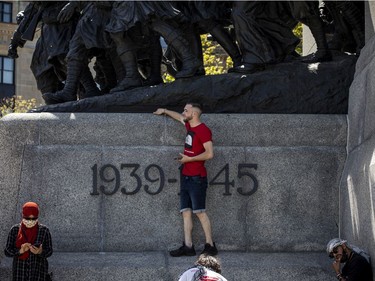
[(357, 263)]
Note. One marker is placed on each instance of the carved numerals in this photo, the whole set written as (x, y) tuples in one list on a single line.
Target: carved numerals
[(108, 179)]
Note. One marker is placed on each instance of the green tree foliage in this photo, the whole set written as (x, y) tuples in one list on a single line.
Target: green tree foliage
[(16, 104), (215, 60), (298, 33)]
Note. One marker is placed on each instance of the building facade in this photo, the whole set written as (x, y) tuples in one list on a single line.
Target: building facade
[(16, 77)]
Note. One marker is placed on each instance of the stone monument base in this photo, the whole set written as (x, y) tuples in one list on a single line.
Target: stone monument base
[(109, 183)]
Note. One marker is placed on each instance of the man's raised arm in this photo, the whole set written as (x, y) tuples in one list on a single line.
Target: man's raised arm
[(173, 114)]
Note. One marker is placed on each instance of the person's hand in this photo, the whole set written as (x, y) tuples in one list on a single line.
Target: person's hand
[(160, 111), (12, 52), (24, 248), (66, 13), (183, 158), (36, 250), (336, 266)]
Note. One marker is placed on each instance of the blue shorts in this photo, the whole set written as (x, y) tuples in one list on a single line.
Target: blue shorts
[(193, 194)]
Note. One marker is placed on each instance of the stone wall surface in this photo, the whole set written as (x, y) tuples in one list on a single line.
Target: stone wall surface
[(357, 188), (109, 183), (369, 19), (14, 137)]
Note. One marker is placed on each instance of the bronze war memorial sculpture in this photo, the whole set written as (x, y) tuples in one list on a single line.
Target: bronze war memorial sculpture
[(123, 40)]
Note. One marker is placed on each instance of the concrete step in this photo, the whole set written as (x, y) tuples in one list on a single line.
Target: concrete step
[(158, 265)]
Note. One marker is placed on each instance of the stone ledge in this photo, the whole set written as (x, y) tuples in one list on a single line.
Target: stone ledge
[(118, 129), (112, 266)]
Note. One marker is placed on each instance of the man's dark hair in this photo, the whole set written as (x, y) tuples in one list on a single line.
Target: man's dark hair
[(209, 262), (196, 105)]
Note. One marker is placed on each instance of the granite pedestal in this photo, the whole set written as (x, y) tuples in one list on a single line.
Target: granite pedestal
[(108, 183)]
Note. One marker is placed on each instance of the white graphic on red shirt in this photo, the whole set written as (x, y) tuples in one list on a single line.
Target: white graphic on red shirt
[(189, 140)]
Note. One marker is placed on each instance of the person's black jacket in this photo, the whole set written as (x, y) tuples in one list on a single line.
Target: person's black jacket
[(357, 269)]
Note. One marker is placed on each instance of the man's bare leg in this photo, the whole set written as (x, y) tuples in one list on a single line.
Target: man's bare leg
[(188, 227), (206, 225)]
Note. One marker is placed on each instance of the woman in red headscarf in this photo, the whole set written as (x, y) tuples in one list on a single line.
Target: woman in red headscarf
[(30, 244)]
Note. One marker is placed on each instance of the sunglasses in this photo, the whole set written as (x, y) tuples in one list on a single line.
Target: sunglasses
[(334, 251), (30, 219)]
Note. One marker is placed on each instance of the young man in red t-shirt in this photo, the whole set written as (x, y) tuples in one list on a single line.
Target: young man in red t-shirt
[(198, 149)]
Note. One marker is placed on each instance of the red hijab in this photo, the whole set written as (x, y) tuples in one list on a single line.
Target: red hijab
[(25, 234)]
